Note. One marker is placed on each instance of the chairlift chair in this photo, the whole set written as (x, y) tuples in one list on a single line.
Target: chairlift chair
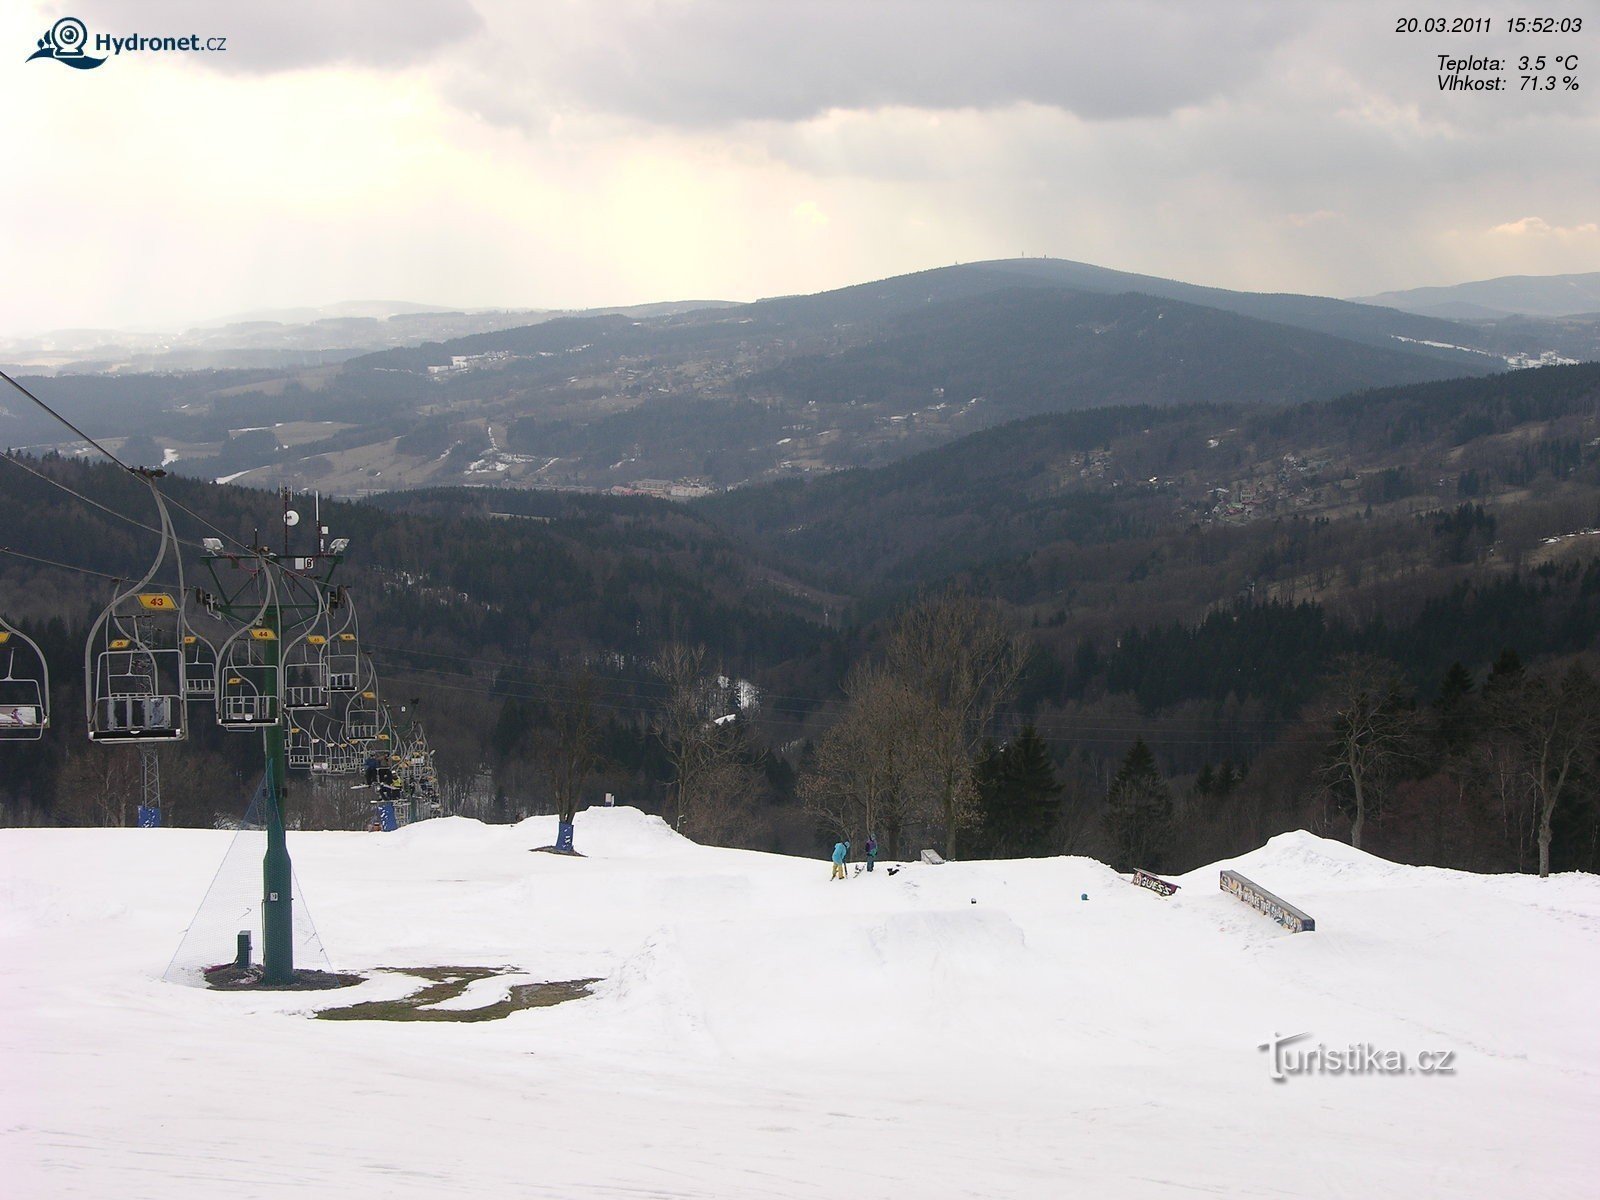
[(249, 687), (249, 673), (305, 673), (24, 698), (134, 672), (344, 758), (343, 655), (363, 711), (299, 748), (199, 668)]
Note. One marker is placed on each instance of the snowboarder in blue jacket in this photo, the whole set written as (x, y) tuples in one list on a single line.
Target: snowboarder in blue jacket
[(841, 851)]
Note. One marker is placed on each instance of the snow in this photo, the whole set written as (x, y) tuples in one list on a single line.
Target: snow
[(965, 1030)]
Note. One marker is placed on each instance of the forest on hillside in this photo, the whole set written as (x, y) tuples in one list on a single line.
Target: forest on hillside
[(1169, 683)]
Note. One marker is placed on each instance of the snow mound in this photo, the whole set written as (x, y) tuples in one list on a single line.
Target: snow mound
[(748, 987), (1306, 861), (443, 833), (624, 832), (599, 833)]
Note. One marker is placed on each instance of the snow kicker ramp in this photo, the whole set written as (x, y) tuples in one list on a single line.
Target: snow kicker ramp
[(800, 987)]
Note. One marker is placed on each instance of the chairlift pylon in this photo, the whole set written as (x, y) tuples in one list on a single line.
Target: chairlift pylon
[(24, 698)]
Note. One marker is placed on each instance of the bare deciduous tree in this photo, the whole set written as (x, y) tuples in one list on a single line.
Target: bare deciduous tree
[(1372, 729), (569, 748), (870, 775), (100, 786), (956, 653), (725, 812), (700, 737), (1555, 727)]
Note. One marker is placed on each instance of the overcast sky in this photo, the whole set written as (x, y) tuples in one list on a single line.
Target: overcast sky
[(566, 153)]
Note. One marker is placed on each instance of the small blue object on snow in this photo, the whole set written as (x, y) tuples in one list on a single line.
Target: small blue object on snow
[(149, 817), (386, 818), (564, 837), (1085, 896)]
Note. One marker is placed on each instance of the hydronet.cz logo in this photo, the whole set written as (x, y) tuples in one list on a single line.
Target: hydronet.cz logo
[(68, 42), (65, 42)]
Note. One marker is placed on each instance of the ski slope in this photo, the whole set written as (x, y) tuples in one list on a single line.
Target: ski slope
[(966, 1030)]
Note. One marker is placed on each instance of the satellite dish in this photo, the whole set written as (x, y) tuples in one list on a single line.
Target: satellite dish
[(291, 518)]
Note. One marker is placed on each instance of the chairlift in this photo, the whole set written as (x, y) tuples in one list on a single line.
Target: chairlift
[(199, 664), (298, 746), (249, 677), (344, 758), (414, 761), (24, 697), (363, 710), (344, 650), (321, 741), (305, 673), (134, 656), (388, 732)]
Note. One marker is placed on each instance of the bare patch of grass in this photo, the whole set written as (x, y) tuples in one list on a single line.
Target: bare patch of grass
[(446, 983)]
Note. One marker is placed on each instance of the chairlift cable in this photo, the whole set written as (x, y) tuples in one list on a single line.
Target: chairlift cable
[(121, 516), (69, 424), (49, 562)]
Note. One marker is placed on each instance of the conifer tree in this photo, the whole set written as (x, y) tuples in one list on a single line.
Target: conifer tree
[(1454, 708), (1139, 810), (1019, 796)]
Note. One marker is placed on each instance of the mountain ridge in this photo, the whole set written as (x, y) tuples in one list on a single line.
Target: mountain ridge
[(1503, 296)]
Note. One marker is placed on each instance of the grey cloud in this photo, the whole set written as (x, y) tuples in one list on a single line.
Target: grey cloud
[(287, 35), (717, 62)]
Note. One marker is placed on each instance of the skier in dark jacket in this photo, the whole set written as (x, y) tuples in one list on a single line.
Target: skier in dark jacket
[(872, 850)]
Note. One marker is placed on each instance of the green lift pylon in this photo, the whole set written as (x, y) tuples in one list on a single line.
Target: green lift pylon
[(306, 591)]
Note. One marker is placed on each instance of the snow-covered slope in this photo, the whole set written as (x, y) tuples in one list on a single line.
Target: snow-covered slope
[(967, 1030)]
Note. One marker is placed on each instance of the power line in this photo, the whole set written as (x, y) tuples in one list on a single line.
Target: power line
[(1102, 730), (508, 674), (1102, 736)]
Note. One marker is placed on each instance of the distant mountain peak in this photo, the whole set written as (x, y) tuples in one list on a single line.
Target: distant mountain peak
[(1506, 295)]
